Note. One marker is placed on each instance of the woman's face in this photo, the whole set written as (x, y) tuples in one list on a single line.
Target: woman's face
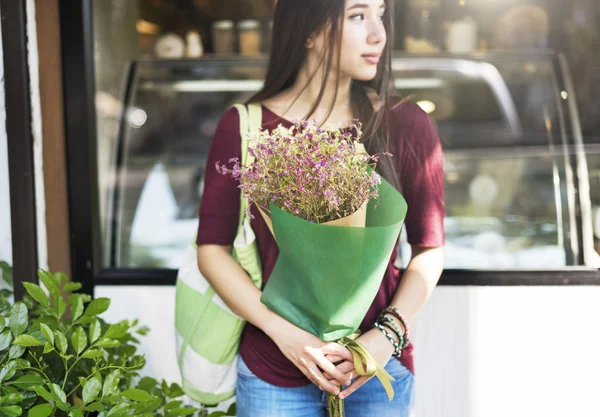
[(363, 39)]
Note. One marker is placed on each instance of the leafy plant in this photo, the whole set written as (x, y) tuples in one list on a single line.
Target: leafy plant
[(58, 358)]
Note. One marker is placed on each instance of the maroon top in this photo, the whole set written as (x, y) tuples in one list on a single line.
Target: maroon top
[(422, 188)]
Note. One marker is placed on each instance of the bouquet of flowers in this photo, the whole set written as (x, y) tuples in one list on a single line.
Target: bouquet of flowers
[(304, 180)]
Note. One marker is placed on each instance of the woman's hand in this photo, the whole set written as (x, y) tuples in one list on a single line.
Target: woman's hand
[(378, 345), (308, 353)]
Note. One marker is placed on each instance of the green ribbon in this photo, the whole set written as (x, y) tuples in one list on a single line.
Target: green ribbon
[(365, 365)]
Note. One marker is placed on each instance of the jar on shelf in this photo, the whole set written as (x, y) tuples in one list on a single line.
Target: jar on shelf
[(223, 37), (250, 37), (424, 26)]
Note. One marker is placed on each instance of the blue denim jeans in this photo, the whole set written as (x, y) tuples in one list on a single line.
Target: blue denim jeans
[(257, 398)]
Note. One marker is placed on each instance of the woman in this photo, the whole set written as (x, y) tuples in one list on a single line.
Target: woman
[(330, 61)]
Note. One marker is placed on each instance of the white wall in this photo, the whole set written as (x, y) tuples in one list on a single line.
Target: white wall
[(509, 351), (479, 351), (5, 228)]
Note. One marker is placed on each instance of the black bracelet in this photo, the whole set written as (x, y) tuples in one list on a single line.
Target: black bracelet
[(395, 332), (393, 312), (397, 348), (394, 327)]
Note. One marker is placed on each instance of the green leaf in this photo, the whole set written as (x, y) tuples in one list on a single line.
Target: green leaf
[(43, 392), (47, 332), (5, 339), (186, 411), (76, 413), (85, 319), (59, 393), (8, 371), (61, 306), (172, 404), (176, 390), (29, 399), (79, 340), (22, 363), (61, 342), (147, 383), (6, 270), (16, 351), (49, 281), (11, 410), (143, 330), (97, 306), (61, 278), (18, 318), (48, 348), (95, 330), (117, 330), (232, 410), (91, 389), (37, 293), (147, 406), (13, 398), (118, 410), (28, 381), (111, 383), (63, 405), (107, 343), (92, 353), (2, 322), (95, 406), (42, 410), (76, 307), (136, 394), (27, 341), (72, 286)]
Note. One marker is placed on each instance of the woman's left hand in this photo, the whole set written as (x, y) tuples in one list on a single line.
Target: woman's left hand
[(378, 345)]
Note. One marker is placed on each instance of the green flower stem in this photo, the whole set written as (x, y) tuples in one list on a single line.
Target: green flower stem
[(40, 367), (66, 374), (73, 365), (335, 405)]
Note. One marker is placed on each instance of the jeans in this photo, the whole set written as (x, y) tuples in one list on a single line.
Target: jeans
[(257, 398)]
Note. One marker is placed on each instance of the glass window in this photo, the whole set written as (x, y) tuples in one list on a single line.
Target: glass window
[(510, 180), (506, 186), (170, 120), (593, 161)]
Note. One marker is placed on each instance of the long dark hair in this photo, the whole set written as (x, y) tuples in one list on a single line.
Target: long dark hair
[(293, 24)]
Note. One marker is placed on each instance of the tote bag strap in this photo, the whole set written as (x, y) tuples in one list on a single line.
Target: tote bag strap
[(250, 120)]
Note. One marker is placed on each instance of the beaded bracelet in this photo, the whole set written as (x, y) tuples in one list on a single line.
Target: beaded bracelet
[(394, 312), (394, 327), (397, 348)]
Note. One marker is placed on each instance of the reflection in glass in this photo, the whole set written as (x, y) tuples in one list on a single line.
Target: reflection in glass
[(507, 189)]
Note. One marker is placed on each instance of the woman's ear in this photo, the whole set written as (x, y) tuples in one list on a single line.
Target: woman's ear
[(310, 43)]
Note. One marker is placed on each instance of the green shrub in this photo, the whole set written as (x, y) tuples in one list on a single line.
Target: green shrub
[(58, 358)]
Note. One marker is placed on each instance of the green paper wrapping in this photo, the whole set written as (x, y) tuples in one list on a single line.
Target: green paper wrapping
[(326, 277)]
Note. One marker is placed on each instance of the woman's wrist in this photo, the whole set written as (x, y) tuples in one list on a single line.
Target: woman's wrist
[(272, 324), (392, 324)]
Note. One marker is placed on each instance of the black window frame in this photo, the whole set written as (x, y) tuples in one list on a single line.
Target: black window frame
[(80, 122), (20, 144)]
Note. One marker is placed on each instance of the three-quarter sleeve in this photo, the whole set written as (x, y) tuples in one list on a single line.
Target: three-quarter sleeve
[(421, 177), (220, 205)]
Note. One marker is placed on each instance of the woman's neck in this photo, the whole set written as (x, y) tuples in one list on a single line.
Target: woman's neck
[(298, 101)]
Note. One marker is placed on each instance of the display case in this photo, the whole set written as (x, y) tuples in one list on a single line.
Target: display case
[(504, 124)]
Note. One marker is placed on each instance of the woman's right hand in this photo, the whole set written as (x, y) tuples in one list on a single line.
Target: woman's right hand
[(309, 353)]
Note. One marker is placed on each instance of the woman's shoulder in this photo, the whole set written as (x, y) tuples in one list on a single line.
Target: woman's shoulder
[(230, 118), (407, 112), (413, 127)]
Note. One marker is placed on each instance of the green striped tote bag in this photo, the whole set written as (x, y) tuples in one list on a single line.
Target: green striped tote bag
[(207, 331)]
